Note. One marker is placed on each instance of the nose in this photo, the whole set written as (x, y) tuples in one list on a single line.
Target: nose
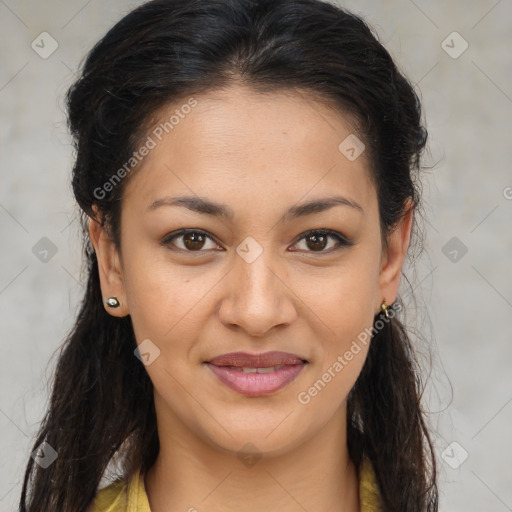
[(257, 297)]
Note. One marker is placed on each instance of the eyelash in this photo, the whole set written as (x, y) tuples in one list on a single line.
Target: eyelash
[(342, 241)]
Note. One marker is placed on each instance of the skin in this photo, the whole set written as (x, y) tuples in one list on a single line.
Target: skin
[(259, 155)]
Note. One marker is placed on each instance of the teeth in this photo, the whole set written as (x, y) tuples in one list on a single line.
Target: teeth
[(261, 370)]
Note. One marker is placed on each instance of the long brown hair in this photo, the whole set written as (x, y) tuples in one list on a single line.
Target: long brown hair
[(102, 398)]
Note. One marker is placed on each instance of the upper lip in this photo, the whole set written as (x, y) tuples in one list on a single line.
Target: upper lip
[(263, 360)]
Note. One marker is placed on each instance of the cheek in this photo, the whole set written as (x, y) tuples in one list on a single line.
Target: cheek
[(346, 302), (346, 309), (347, 317), (159, 294)]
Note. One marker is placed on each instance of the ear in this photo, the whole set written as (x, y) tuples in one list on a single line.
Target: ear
[(393, 257), (109, 266)]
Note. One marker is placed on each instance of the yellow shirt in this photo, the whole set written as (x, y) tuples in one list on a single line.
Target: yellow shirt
[(117, 497)]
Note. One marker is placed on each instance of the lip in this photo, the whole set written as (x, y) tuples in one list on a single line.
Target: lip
[(256, 384), (263, 360)]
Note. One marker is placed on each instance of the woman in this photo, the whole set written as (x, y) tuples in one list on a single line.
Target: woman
[(246, 174)]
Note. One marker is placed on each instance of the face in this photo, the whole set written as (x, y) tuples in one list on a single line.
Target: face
[(257, 271)]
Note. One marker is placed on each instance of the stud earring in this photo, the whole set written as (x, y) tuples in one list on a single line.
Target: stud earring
[(384, 308), (112, 302)]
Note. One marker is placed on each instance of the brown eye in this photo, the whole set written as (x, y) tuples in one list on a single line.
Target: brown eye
[(317, 240), (192, 240)]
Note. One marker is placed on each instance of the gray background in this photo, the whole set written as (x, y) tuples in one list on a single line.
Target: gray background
[(463, 299)]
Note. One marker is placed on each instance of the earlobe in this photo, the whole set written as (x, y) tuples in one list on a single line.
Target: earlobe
[(109, 268), (394, 257)]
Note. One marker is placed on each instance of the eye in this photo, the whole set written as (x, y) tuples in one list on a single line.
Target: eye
[(318, 240), (193, 240)]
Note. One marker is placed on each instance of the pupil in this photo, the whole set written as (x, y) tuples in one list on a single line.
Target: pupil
[(196, 239), (318, 245)]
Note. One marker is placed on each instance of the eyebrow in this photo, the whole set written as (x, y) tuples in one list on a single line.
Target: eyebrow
[(207, 207)]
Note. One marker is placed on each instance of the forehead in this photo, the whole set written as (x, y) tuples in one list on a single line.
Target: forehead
[(239, 138)]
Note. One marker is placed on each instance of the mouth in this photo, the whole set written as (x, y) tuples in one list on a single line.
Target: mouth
[(263, 360), (257, 374)]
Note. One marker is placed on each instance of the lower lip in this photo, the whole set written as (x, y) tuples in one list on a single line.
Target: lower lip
[(256, 384)]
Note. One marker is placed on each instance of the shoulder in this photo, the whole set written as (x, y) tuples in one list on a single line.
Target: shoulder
[(111, 498)]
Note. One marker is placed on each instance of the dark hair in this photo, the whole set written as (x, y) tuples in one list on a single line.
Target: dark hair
[(165, 50)]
